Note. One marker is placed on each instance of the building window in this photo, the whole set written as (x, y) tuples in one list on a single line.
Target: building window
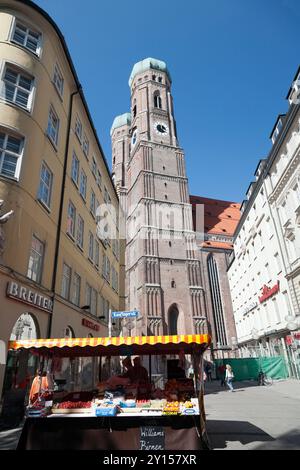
[(17, 88), (106, 268), (107, 198), (94, 167), (36, 257), (99, 179), (217, 304), (157, 100), (88, 296), (80, 231), (45, 188), (278, 263), (66, 281), (97, 255), (71, 219), (160, 79), (75, 169), (58, 80), (11, 149), (91, 246), (78, 128), (93, 302), (27, 37), (93, 203), (76, 289), (83, 182), (53, 126), (85, 145)]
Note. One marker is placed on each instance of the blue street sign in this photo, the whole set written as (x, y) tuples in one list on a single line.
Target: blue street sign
[(130, 314)]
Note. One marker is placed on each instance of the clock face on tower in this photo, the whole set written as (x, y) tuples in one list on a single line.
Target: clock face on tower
[(161, 128)]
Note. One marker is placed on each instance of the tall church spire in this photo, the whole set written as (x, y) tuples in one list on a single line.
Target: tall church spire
[(163, 276)]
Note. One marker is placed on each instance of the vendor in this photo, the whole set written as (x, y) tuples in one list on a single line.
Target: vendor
[(138, 372), (39, 386), (105, 372)]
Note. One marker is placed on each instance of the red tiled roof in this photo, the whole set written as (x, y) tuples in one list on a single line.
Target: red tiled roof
[(220, 218)]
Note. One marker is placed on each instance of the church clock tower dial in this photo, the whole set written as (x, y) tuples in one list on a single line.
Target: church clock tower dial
[(161, 128), (163, 275)]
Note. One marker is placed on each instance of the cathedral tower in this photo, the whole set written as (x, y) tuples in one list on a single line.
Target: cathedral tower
[(163, 275)]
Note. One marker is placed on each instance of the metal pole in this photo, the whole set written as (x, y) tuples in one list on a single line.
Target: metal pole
[(109, 322)]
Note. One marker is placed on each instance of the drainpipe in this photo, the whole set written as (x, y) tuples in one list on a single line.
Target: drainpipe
[(62, 196)]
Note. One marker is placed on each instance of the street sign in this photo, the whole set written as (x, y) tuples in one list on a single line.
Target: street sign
[(130, 314)]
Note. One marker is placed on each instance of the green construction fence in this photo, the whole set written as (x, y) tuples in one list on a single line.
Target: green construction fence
[(248, 368)]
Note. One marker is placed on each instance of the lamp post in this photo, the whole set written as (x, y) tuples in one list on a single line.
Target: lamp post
[(234, 345), (293, 324), (255, 336)]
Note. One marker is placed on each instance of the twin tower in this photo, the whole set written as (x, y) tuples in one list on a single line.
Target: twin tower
[(162, 268)]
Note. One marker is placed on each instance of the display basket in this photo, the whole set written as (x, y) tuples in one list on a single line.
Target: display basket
[(112, 411)]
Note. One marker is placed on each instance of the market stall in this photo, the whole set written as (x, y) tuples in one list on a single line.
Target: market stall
[(155, 403)]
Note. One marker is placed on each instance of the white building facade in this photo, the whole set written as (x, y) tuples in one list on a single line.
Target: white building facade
[(264, 275)]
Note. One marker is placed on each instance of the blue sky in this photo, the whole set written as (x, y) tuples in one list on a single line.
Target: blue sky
[(231, 61)]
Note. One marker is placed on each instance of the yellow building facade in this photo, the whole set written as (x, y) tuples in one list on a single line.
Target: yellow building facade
[(60, 255)]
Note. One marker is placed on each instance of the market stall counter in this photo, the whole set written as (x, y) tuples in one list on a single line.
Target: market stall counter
[(127, 411)]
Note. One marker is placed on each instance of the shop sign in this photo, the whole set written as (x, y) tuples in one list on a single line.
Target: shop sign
[(28, 296), (152, 438), (90, 324), (289, 340), (268, 292)]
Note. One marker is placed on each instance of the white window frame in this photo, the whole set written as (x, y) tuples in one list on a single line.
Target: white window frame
[(85, 145), (20, 72), (94, 167), (76, 289), (18, 156), (93, 203), (41, 200), (94, 296), (52, 139), (38, 275), (71, 229), (78, 128), (99, 179), (28, 27), (80, 232), (97, 254), (75, 158), (57, 73), (83, 176), (88, 295), (63, 279), (91, 246)]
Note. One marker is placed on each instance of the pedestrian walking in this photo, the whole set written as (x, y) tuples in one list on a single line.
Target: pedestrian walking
[(222, 372), (208, 370), (229, 377)]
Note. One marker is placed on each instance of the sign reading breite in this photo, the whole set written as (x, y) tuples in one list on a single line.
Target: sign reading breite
[(29, 296)]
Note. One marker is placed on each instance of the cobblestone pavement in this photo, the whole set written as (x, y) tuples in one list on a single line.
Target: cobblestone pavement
[(253, 417)]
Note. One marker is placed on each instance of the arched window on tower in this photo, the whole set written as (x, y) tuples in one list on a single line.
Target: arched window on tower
[(134, 109), (173, 315), (217, 303), (157, 100)]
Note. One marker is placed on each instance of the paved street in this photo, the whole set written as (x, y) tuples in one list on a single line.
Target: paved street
[(250, 418), (254, 417)]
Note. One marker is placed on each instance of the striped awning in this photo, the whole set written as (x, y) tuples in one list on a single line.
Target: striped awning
[(115, 345)]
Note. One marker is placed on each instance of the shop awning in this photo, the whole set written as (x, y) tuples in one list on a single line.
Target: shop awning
[(69, 347)]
